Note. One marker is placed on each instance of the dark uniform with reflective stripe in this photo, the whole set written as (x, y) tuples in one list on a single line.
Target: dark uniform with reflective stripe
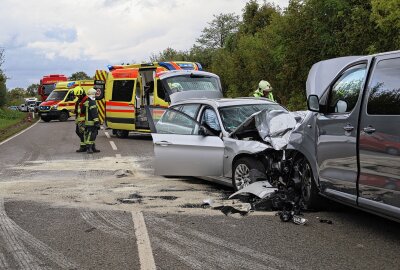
[(80, 122), (92, 124)]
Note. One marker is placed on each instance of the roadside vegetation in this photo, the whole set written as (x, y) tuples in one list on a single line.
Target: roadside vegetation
[(12, 122), (280, 45)]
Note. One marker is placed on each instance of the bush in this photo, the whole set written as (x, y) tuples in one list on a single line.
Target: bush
[(10, 114)]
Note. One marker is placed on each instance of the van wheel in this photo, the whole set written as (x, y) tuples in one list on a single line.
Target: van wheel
[(241, 171), (121, 133), (309, 190), (64, 116), (45, 119)]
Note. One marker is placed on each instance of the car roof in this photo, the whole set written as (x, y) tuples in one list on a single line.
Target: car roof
[(226, 102)]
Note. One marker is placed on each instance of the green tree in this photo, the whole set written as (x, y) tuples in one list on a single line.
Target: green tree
[(80, 75), (220, 28), (3, 88), (169, 54), (32, 89)]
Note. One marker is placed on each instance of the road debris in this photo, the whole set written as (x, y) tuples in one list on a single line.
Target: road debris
[(123, 173)]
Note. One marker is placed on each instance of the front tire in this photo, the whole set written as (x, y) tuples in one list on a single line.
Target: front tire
[(46, 119), (121, 133), (241, 171), (309, 191), (64, 116)]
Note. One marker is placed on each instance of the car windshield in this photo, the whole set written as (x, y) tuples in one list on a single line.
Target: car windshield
[(57, 95), (233, 116), (192, 83)]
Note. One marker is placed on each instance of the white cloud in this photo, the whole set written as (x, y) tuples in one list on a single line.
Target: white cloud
[(108, 31)]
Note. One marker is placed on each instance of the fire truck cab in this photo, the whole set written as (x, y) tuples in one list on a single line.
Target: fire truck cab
[(130, 89), (60, 104), (47, 84)]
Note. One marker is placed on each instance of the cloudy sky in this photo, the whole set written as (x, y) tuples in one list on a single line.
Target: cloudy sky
[(65, 36)]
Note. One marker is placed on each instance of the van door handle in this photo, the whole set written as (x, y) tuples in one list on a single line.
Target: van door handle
[(369, 130), (348, 128), (162, 143)]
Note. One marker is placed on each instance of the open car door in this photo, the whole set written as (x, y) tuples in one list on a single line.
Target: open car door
[(182, 147)]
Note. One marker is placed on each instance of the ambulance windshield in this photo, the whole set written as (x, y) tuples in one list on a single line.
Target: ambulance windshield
[(57, 95), (193, 83)]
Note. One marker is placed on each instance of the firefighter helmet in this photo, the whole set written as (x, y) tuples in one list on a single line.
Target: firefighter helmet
[(78, 91), (264, 86), (91, 92)]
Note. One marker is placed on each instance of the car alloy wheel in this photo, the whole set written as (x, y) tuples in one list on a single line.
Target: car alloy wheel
[(241, 171), (242, 176)]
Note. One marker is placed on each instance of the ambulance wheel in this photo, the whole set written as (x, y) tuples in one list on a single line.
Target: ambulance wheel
[(45, 119), (64, 116), (121, 133)]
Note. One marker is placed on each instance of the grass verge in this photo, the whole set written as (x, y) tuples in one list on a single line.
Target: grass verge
[(12, 122)]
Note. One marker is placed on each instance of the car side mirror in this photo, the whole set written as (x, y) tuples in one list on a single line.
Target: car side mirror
[(203, 131), (313, 103)]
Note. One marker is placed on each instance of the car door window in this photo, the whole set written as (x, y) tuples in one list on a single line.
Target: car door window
[(175, 122), (209, 119), (384, 90), (190, 109), (344, 93)]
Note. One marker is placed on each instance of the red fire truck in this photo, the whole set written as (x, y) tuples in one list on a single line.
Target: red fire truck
[(48, 84)]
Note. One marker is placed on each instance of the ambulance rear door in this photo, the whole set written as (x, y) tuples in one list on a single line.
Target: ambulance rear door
[(120, 102)]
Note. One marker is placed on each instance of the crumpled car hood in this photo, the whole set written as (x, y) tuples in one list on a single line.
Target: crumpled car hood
[(274, 127)]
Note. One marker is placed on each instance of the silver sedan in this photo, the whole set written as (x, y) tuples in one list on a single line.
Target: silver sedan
[(198, 137)]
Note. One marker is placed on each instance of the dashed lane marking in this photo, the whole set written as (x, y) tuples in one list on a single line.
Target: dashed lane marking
[(107, 134), (143, 241), (113, 146)]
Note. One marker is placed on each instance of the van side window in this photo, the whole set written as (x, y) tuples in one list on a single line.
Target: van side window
[(123, 90), (384, 89), (344, 93)]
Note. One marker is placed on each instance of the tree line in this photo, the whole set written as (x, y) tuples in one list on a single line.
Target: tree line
[(281, 45)]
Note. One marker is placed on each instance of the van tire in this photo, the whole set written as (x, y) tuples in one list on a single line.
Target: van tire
[(64, 116), (45, 119), (121, 133), (309, 191)]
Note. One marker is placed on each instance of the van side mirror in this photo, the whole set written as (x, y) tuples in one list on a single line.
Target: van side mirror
[(313, 103)]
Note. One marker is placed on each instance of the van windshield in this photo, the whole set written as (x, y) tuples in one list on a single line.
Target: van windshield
[(57, 95), (192, 83), (48, 88)]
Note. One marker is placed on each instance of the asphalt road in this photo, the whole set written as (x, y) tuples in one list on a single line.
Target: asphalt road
[(65, 210)]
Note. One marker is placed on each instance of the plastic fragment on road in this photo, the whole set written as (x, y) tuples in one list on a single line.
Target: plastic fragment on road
[(260, 189)]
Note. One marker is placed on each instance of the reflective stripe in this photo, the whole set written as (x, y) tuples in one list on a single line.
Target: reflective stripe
[(92, 107), (125, 108)]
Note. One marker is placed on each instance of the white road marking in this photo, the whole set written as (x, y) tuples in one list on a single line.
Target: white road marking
[(17, 239), (143, 241), (118, 155), (107, 134), (102, 225), (113, 146), (18, 133)]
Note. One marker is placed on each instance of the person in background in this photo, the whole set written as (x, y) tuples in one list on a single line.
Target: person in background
[(264, 90), (80, 117), (92, 124)]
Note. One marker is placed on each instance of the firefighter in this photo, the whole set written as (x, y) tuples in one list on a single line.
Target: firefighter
[(80, 117), (92, 124), (264, 90)]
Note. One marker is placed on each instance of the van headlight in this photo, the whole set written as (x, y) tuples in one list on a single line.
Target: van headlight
[(54, 107)]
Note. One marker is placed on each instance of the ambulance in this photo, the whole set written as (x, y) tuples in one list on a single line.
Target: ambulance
[(127, 90), (60, 104)]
